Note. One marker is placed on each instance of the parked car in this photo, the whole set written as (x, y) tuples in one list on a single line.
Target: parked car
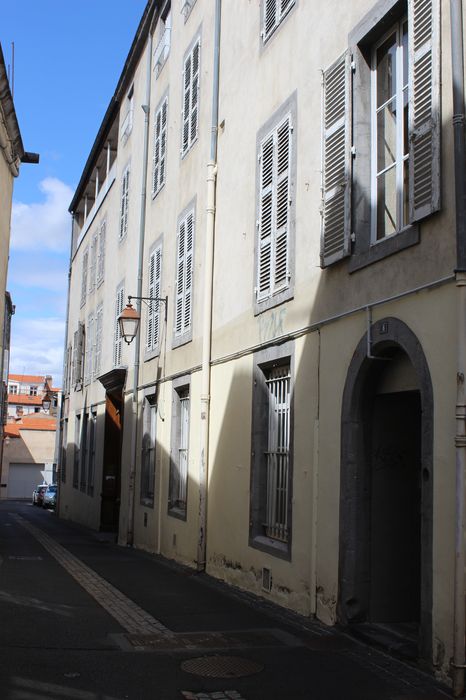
[(49, 499), (38, 494)]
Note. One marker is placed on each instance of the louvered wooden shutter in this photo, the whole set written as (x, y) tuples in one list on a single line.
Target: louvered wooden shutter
[(190, 97), (101, 258), (98, 340), (180, 274), (84, 277), (153, 313), (336, 204), (194, 93), (79, 353), (264, 285), (189, 272), (270, 17), (163, 142), (124, 204), (93, 265), (117, 336), (282, 216), (424, 107), (75, 359), (160, 145), (184, 280)]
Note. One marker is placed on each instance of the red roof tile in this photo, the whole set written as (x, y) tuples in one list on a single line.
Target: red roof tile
[(25, 399)]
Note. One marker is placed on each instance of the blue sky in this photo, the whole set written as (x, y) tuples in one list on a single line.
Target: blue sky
[(68, 58)]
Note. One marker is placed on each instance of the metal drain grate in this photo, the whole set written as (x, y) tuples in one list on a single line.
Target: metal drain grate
[(221, 667)]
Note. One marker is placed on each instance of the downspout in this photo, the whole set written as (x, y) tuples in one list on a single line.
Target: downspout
[(456, 18), (208, 301), (65, 369), (137, 340)]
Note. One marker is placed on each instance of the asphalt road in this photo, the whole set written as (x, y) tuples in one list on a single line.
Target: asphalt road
[(84, 619)]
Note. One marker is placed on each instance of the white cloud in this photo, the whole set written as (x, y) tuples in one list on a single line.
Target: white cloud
[(37, 347), (46, 224)]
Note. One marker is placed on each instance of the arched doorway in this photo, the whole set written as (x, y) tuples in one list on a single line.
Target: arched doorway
[(385, 563)]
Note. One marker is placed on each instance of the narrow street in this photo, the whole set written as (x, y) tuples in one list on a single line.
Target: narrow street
[(85, 619)]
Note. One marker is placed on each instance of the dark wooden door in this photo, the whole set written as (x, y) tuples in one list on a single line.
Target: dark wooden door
[(111, 479)]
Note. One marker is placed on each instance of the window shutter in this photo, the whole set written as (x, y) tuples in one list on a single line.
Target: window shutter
[(189, 271), (281, 267), (152, 305), (424, 107), (79, 353), (186, 104), (160, 144), (93, 263), (180, 274), (190, 98), (117, 336), (124, 204), (194, 93), (84, 277), (101, 257), (75, 359), (270, 17), (265, 219), (156, 294), (336, 195), (98, 341), (89, 350), (153, 313), (163, 142)]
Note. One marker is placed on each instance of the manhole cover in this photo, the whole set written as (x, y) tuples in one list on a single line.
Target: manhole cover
[(221, 667)]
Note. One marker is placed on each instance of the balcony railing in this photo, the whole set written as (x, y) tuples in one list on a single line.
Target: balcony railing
[(109, 180)]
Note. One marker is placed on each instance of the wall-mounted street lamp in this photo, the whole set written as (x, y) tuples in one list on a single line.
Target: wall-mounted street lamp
[(129, 318), (46, 403)]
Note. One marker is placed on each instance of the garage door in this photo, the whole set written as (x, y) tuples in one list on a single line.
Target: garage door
[(23, 479)]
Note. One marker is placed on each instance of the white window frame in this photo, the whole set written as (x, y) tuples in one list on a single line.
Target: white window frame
[(400, 157), (124, 203), (148, 465), (159, 158), (278, 244), (191, 92)]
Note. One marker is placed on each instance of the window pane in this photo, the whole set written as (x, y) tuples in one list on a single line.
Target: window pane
[(404, 43), (386, 136), (386, 70), (386, 203)]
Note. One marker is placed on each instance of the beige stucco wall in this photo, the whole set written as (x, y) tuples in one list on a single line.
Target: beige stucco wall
[(325, 319)]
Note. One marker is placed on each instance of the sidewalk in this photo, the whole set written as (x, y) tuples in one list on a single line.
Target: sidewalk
[(112, 623)]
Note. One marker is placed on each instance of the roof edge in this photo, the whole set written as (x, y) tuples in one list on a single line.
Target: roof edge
[(132, 58), (8, 109)]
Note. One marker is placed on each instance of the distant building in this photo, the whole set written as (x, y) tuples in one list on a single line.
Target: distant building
[(26, 393), (28, 456)]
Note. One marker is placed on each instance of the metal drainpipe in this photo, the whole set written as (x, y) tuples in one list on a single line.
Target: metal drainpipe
[(65, 370), (208, 301), (456, 18), (137, 340)]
